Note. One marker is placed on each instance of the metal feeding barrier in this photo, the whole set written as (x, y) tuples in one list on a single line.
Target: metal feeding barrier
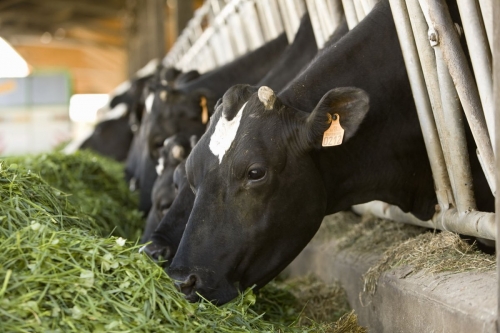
[(443, 85), (221, 31)]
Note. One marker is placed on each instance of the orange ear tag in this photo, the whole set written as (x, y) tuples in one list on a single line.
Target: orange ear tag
[(204, 110), (334, 134)]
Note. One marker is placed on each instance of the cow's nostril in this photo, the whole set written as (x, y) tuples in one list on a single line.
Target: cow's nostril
[(157, 252), (188, 287)]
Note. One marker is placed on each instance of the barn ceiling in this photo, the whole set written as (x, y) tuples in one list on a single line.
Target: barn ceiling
[(85, 37)]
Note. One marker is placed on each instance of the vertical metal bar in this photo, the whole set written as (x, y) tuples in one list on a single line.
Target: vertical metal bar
[(350, 13), (217, 47), (327, 20), (495, 39), (463, 79), (360, 13), (238, 34), (336, 11), (264, 23), (422, 102), (479, 50), (428, 62), (300, 7), (367, 6), (268, 13), (461, 178), (228, 47), (287, 17), (315, 21), (252, 26), (487, 13)]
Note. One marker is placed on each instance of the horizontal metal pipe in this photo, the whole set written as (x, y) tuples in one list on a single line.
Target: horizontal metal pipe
[(476, 224)]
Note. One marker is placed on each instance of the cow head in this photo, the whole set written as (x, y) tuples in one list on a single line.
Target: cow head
[(173, 112), (260, 197), (167, 236), (110, 138), (175, 150)]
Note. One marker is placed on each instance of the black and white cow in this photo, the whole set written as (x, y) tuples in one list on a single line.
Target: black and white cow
[(263, 181), (175, 150), (193, 98), (169, 111), (111, 138), (167, 237)]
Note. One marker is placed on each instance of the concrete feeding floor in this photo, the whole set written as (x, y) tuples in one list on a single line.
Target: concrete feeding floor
[(403, 302)]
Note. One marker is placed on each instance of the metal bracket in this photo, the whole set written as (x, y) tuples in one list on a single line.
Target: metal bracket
[(433, 37)]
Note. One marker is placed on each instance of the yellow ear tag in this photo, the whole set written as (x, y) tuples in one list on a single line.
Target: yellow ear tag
[(204, 110), (334, 134)]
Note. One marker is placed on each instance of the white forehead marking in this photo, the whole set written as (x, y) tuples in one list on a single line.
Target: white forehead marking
[(163, 95), (159, 166), (149, 102), (224, 134)]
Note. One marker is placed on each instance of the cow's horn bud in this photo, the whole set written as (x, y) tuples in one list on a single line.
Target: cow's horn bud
[(267, 97)]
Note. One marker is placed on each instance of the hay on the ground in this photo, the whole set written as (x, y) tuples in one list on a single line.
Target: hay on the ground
[(373, 234), (431, 253), (314, 300)]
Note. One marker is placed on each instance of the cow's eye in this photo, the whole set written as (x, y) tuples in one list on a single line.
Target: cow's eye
[(164, 208), (256, 173)]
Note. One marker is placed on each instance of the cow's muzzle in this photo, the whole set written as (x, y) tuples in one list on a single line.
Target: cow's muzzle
[(189, 286), (159, 253)]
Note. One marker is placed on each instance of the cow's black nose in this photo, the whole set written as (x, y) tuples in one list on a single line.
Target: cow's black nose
[(188, 287), (157, 252)]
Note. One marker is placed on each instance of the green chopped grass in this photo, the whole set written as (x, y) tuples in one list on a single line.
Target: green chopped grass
[(59, 274), (95, 187)]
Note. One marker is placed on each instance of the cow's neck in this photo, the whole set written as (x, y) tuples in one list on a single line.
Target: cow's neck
[(386, 159)]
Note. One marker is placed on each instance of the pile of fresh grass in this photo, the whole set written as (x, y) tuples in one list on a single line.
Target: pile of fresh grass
[(430, 253), (95, 187), (57, 274)]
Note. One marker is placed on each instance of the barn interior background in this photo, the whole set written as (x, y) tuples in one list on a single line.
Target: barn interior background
[(59, 60)]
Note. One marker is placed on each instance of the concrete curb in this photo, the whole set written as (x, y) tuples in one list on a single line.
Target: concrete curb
[(460, 302)]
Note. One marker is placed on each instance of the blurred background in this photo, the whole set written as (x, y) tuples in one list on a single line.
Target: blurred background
[(59, 60)]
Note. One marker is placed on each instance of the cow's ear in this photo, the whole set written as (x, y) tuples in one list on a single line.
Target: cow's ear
[(236, 96), (346, 105), (205, 102)]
